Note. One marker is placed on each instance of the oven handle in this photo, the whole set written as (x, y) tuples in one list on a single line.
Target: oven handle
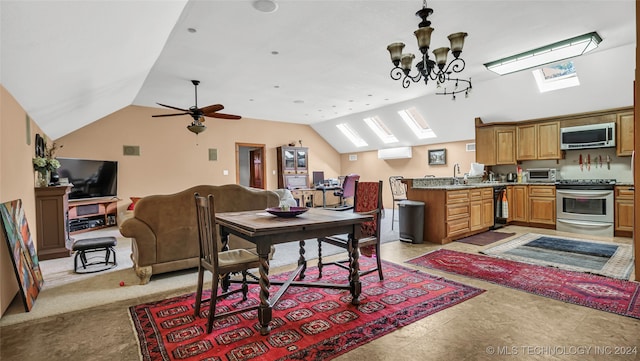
[(592, 194), (585, 224)]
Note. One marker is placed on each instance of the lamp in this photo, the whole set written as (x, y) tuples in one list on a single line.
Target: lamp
[(427, 68), (196, 127), (547, 54)]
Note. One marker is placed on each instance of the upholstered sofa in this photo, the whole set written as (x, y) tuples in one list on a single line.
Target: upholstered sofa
[(164, 230)]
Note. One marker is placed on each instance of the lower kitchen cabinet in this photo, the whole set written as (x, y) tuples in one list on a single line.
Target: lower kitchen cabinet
[(542, 205), (520, 203), (624, 211)]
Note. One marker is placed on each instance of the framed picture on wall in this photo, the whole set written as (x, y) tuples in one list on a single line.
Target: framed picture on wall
[(437, 156)]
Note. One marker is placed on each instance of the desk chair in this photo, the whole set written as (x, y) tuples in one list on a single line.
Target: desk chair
[(220, 264), (398, 192), (347, 191), (367, 200)]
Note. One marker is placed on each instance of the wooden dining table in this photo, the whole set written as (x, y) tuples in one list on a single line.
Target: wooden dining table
[(264, 230)]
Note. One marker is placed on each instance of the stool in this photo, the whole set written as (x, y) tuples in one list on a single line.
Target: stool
[(84, 246)]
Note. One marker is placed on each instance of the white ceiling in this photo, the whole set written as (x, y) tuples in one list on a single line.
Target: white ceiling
[(70, 63)]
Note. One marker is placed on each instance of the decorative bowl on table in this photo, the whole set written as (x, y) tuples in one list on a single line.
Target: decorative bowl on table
[(291, 212)]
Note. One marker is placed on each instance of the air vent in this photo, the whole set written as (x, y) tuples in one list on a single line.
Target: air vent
[(213, 154), (131, 150), (471, 147)]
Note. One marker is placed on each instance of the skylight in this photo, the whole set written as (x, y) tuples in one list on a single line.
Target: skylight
[(353, 136), (555, 77), (381, 130), (417, 123)]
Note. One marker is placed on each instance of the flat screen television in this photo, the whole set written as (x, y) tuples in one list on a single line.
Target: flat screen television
[(90, 178)]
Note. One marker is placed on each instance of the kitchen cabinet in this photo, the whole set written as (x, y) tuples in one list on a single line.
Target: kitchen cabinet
[(480, 208), (520, 203), (495, 145), (451, 214), (538, 141), (624, 134), (623, 211), (542, 205), (293, 163)]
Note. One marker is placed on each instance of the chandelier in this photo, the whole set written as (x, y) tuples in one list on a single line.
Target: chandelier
[(428, 68)]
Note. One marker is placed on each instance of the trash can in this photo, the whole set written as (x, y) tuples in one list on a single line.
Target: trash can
[(411, 214)]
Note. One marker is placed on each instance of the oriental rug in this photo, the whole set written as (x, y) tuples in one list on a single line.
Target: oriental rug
[(573, 254), (308, 323), (601, 293), (485, 238)]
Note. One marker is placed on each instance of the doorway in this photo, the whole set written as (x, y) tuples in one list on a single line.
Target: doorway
[(251, 165)]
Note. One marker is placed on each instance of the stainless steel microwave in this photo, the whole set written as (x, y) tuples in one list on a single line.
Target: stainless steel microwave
[(542, 175), (588, 136)]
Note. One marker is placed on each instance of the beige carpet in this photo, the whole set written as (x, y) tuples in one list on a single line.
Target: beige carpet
[(65, 291)]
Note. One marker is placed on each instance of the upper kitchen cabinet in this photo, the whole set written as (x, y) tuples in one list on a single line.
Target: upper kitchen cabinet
[(538, 141), (624, 134), (495, 144)]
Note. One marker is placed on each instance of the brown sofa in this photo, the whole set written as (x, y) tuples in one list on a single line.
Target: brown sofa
[(164, 230)]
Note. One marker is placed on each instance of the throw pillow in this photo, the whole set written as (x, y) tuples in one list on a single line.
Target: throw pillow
[(134, 200)]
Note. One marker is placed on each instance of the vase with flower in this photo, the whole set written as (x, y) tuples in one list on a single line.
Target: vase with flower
[(45, 165)]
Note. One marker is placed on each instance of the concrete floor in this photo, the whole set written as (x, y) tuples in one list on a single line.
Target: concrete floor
[(500, 324)]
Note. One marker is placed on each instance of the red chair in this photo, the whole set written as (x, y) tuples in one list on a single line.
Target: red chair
[(367, 200), (347, 191)]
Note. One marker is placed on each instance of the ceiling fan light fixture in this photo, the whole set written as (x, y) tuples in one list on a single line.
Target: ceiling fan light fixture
[(196, 128)]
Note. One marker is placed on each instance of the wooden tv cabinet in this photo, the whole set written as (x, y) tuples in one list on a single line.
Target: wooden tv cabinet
[(91, 214)]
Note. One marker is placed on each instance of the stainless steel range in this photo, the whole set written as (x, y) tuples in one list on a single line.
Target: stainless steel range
[(585, 206)]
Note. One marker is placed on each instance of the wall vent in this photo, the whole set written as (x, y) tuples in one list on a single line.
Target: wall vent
[(471, 147), (353, 157), (213, 154), (131, 150)]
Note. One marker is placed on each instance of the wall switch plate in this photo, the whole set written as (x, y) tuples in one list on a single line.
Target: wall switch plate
[(225, 172)]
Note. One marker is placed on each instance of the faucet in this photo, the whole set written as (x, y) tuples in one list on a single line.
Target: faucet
[(455, 179)]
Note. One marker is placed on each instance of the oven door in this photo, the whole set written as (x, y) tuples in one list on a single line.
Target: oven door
[(584, 205)]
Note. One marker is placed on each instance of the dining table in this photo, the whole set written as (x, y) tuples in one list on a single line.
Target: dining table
[(265, 230)]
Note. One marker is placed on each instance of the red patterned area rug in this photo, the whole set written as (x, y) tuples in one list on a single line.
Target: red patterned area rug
[(602, 293), (308, 323)]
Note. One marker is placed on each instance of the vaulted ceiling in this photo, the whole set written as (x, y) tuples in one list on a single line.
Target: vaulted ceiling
[(70, 63)]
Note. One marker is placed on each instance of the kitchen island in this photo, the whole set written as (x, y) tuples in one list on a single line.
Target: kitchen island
[(452, 211)]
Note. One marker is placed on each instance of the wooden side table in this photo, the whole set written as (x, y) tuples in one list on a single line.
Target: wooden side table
[(52, 230)]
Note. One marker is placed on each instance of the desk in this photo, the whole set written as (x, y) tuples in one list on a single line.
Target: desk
[(265, 230), (324, 193)]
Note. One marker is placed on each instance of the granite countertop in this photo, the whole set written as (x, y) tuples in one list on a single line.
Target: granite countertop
[(446, 183)]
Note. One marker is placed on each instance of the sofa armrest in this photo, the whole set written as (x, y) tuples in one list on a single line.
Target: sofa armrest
[(143, 241)]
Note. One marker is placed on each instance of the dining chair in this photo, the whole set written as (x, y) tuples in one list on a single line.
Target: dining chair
[(398, 192), (368, 201), (220, 264), (347, 191)]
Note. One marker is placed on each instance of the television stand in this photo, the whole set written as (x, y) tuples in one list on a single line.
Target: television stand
[(91, 214)]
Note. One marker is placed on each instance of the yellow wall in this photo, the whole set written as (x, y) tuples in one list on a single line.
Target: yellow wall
[(16, 180)]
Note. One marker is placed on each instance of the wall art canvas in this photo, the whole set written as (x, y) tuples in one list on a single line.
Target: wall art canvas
[(22, 250), (437, 156)]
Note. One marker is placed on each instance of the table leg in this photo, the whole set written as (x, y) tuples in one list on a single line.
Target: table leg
[(224, 239), (302, 261), (324, 198), (354, 268), (264, 310)]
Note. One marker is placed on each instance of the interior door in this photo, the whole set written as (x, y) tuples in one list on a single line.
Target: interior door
[(256, 168)]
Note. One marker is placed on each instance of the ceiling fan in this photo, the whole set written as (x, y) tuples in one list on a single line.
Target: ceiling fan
[(198, 114)]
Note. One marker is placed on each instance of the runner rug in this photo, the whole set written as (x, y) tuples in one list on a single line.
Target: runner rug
[(601, 293), (308, 323), (573, 254), (485, 238)]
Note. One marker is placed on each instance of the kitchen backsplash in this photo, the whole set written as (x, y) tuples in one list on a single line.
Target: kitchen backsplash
[(569, 168)]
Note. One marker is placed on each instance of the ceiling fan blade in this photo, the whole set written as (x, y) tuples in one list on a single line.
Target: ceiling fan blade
[(169, 106), (170, 115), (223, 116), (212, 108)]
